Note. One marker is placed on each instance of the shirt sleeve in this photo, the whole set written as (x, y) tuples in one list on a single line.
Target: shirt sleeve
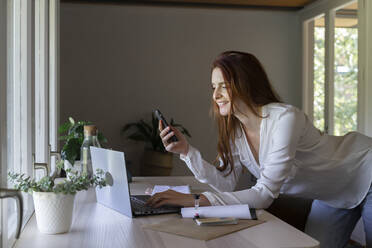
[(277, 165), (205, 172)]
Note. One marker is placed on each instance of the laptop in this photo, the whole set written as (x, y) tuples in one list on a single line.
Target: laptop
[(116, 195)]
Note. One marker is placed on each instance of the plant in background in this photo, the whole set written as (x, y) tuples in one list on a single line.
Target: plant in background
[(148, 132), (73, 135), (71, 185)]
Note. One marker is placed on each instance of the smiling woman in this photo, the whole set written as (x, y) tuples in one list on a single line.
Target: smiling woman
[(279, 145)]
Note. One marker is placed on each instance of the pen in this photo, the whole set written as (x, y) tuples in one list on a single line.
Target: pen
[(196, 200)]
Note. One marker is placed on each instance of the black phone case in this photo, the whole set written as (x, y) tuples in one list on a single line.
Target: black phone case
[(159, 116)]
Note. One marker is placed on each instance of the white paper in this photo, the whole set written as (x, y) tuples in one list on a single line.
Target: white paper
[(160, 188), (235, 211)]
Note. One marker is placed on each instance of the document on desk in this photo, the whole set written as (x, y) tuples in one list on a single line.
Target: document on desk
[(185, 189), (235, 211)]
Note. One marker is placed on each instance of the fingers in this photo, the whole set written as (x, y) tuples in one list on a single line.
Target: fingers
[(180, 146), (170, 197), (154, 201), (168, 136), (165, 136), (164, 132), (160, 125), (161, 203), (155, 198), (159, 199)]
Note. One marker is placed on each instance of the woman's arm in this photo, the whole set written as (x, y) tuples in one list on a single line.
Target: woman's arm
[(205, 172)]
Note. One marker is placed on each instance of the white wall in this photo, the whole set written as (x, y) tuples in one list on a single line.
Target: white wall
[(119, 62)]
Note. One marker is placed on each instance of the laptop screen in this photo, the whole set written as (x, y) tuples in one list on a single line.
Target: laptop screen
[(115, 196)]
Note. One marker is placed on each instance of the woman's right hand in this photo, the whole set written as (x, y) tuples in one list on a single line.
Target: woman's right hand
[(181, 146)]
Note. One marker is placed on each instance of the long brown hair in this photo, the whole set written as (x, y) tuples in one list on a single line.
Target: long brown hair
[(247, 81)]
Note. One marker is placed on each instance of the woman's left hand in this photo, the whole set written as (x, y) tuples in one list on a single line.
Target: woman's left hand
[(171, 197)]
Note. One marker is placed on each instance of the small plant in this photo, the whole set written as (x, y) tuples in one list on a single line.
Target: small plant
[(71, 185), (149, 132), (73, 135)]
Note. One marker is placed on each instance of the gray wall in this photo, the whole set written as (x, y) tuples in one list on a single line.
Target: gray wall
[(119, 62)]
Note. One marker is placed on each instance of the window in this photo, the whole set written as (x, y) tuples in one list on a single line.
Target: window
[(28, 53), (335, 57), (333, 36), (336, 53)]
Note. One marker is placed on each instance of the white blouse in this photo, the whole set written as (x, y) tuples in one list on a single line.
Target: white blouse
[(295, 158)]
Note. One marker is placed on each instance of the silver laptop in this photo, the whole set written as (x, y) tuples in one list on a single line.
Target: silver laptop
[(116, 195)]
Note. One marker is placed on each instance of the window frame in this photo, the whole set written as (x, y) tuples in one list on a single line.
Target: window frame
[(46, 79), (54, 86), (307, 15), (20, 83), (3, 113), (41, 81), (365, 62)]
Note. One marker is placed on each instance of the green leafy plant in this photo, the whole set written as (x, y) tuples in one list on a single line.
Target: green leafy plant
[(73, 135), (71, 185), (148, 132)]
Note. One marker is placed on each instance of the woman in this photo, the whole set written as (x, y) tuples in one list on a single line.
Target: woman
[(279, 145)]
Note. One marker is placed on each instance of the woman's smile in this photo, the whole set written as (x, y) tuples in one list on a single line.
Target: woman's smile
[(222, 103)]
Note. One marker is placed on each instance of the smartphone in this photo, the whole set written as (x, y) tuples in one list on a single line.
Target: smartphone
[(159, 116)]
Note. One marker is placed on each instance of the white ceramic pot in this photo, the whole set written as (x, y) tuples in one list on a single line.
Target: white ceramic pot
[(53, 211)]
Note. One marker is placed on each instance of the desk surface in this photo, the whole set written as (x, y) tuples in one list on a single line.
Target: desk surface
[(97, 226)]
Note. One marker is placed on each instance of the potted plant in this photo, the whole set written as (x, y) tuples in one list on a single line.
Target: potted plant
[(73, 134), (54, 202), (157, 161)]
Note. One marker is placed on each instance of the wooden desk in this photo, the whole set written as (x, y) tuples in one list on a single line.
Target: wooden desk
[(97, 226)]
